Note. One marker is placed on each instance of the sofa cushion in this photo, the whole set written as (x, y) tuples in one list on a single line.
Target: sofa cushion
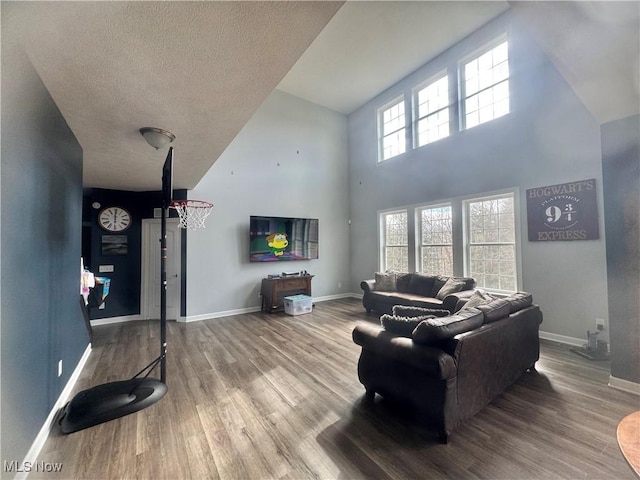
[(421, 284), (413, 311), (402, 282), (519, 300), (478, 298), (495, 309), (386, 282), (435, 330), (438, 283), (449, 287), (403, 326)]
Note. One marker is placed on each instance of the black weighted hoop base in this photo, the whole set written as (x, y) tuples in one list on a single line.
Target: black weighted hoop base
[(110, 401)]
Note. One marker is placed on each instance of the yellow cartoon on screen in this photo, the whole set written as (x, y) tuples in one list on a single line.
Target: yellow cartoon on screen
[(277, 242)]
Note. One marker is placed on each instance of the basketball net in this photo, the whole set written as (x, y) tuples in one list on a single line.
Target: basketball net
[(192, 213)]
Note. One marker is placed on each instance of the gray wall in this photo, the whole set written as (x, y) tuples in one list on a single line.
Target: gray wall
[(290, 160), (621, 174), (548, 138), (41, 234)]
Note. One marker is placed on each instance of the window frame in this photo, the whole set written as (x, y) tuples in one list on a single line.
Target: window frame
[(514, 194), (462, 80), (415, 106), (382, 238), (400, 99), (460, 234), (419, 245)]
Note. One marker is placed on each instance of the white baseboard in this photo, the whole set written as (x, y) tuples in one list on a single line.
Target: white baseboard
[(337, 296), (128, 318), (43, 434), (576, 342), (617, 383), (624, 385), (240, 311), (110, 320), (224, 313)]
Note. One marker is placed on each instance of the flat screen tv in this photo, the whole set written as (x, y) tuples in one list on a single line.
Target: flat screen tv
[(274, 239)]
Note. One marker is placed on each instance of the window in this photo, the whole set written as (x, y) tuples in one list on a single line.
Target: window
[(475, 237), (395, 245), (491, 242), (431, 107), (436, 240), (486, 86), (482, 95), (392, 130)]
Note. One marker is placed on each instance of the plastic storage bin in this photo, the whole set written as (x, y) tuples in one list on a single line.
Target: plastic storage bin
[(298, 304)]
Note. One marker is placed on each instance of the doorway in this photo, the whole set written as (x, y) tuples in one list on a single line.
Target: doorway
[(150, 289)]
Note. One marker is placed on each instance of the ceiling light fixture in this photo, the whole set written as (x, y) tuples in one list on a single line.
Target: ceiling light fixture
[(157, 137)]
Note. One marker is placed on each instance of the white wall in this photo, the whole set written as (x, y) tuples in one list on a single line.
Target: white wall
[(289, 160), (548, 138)]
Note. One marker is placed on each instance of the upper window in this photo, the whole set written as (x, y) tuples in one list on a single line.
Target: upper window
[(491, 242), (432, 111), (436, 240), (486, 86), (395, 241), (392, 130)]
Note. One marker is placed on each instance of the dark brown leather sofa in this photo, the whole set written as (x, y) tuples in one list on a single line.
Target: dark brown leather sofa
[(449, 376), (415, 289)]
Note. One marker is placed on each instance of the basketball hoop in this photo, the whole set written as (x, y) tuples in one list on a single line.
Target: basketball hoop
[(192, 213)]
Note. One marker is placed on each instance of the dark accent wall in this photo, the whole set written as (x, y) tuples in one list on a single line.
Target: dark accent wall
[(621, 185), (42, 323), (124, 294)]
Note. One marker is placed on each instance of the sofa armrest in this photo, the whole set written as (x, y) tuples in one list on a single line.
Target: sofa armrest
[(368, 285), (434, 361), (495, 355)]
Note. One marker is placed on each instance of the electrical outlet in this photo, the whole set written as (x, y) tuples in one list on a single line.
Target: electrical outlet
[(339, 284), (600, 323), (60, 368)]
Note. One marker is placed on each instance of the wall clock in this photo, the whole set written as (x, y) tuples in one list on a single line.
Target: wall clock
[(114, 219)]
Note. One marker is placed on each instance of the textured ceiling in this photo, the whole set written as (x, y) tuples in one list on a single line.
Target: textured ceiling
[(197, 69), (369, 46)]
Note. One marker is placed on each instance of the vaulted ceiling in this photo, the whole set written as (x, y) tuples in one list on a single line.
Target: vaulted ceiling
[(201, 69)]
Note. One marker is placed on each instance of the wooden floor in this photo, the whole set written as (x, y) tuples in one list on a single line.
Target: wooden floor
[(261, 396)]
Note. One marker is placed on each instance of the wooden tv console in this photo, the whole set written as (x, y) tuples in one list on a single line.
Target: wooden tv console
[(274, 290)]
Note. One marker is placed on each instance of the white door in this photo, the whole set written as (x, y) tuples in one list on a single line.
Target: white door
[(151, 281)]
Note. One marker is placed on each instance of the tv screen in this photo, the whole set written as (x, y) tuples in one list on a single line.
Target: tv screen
[(274, 239)]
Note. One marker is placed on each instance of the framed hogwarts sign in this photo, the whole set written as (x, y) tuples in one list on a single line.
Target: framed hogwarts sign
[(568, 211)]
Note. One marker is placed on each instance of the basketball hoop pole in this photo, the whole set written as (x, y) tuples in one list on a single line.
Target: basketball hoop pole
[(109, 401), (166, 202)]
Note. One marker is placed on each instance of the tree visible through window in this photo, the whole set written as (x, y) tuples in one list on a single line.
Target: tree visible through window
[(395, 241), (436, 245), (491, 242)]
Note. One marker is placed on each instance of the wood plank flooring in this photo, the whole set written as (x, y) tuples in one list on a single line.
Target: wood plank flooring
[(261, 396)]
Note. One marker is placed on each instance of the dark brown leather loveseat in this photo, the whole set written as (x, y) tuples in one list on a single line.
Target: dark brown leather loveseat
[(417, 289), (455, 365)]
